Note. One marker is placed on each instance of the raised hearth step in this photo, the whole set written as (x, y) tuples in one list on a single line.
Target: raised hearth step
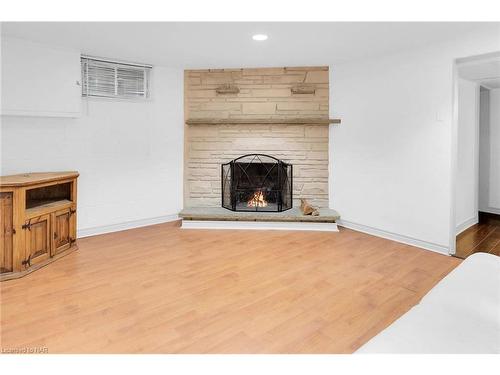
[(292, 215)]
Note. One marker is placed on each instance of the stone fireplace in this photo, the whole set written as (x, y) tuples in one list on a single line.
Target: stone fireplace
[(278, 112)]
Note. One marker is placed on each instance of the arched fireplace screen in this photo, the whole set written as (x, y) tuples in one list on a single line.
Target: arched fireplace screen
[(256, 182)]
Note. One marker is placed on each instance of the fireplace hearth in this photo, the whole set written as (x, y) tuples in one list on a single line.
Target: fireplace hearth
[(257, 182)]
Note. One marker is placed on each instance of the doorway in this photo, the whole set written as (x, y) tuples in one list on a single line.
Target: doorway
[(477, 190)]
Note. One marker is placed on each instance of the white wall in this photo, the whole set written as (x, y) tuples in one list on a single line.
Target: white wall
[(391, 158), (129, 154), (467, 155), (30, 93), (493, 202), (484, 150)]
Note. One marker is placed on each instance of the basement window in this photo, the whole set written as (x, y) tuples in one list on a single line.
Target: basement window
[(111, 79)]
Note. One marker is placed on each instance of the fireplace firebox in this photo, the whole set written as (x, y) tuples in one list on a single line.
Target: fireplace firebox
[(257, 182)]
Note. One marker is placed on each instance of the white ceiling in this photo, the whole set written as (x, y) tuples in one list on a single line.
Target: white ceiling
[(493, 83), (225, 45), (485, 72)]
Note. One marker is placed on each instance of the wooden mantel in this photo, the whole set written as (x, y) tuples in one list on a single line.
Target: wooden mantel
[(249, 121)]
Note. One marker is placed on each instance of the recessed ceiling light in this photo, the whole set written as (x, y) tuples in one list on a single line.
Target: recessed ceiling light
[(259, 37)]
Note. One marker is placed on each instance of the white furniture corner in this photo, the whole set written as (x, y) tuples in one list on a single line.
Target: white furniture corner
[(461, 314)]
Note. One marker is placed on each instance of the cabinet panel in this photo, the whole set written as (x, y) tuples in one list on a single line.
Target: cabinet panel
[(6, 225), (38, 239), (72, 224), (61, 231), (38, 80)]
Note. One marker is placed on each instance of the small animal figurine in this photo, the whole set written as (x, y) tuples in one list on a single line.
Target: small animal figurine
[(307, 209)]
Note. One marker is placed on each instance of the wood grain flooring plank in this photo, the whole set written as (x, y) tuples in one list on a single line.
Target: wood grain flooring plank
[(162, 289)]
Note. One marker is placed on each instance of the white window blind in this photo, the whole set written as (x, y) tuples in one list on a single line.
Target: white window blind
[(105, 78)]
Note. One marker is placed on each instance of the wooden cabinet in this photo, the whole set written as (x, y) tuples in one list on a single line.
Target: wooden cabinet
[(38, 220), (37, 240), (39, 80), (61, 230), (6, 232)]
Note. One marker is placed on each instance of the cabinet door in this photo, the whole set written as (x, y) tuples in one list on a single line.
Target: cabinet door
[(61, 231), (6, 226), (39, 80), (38, 241)]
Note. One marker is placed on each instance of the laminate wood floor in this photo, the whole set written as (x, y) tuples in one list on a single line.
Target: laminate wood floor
[(482, 237), (161, 289)]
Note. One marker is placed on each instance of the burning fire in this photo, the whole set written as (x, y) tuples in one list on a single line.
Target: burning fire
[(257, 200)]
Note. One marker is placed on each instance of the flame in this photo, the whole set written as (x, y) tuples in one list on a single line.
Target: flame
[(257, 200)]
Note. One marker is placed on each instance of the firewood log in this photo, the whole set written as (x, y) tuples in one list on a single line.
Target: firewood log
[(308, 209)]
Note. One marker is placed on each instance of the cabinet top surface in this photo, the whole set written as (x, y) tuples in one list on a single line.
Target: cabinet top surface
[(25, 179)]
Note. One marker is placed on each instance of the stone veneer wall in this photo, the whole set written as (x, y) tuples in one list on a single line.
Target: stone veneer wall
[(264, 93)]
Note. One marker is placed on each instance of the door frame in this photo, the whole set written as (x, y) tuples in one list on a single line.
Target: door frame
[(454, 144)]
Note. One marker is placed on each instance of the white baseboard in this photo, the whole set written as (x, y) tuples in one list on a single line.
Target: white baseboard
[(259, 225), (395, 237), (491, 210), (467, 224), (124, 226), (198, 224)]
